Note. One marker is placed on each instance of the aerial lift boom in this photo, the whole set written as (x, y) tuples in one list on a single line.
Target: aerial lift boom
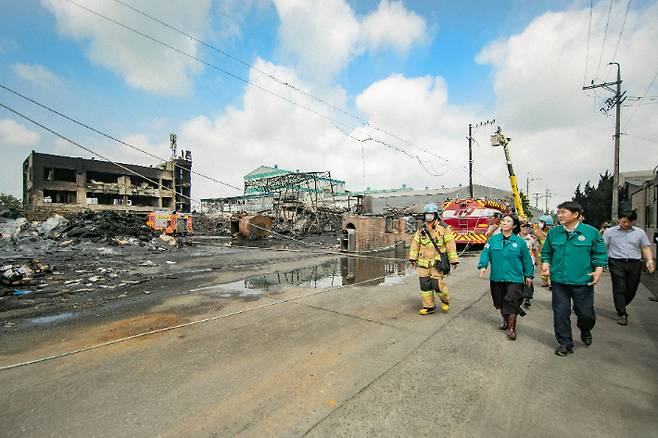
[(498, 139)]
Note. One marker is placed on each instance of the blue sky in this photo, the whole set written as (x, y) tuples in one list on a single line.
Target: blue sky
[(419, 69)]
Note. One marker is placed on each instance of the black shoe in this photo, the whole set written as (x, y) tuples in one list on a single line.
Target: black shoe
[(586, 337), (563, 350), (526, 303), (622, 320)]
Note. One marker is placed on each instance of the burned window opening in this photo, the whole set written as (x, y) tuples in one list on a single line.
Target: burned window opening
[(144, 201), (139, 181), (102, 199), (103, 177), (59, 197), (58, 174)]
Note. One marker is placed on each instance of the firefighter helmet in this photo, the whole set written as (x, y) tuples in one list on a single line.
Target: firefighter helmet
[(431, 208)]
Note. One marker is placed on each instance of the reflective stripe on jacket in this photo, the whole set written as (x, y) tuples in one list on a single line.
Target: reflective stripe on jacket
[(423, 251)]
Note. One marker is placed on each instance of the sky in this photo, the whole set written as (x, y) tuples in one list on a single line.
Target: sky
[(380, 93)]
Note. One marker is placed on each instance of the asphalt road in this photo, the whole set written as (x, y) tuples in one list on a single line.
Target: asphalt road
[(307, 359)]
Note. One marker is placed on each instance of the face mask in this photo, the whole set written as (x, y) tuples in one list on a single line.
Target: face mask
[(429, 217)]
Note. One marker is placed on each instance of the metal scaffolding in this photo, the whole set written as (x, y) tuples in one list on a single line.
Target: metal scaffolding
[(292, 187)]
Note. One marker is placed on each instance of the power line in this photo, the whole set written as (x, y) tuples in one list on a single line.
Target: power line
[(264, 73), (640, 99), (621, 32), (333, 121), (640, 138), (605, 35), (127, 169), (246, 81), (589, 37), (84, 125), (206, 63)]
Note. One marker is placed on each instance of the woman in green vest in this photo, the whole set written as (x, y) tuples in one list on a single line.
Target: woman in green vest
[(511, 267)]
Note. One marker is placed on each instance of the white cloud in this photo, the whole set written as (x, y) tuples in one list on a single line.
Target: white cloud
[(232, 14), (323, 37), (140, 62), (36, 73), (558, 132), (15, 134), (392, 25), (266, 130), (130, 155)]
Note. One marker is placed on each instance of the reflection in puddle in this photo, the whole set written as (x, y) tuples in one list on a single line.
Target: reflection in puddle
[(343, 271), (51, 318)]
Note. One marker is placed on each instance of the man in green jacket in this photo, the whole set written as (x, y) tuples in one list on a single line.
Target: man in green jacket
[(574, 255)]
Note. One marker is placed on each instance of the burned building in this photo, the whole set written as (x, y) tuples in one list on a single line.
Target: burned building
[(59, 182)]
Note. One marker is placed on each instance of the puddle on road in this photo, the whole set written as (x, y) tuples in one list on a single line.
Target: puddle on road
[(339, 272), (42, 320)]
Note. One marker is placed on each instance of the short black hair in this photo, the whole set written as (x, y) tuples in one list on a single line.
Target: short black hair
[(572, 206), (631, 215), (516, 228)]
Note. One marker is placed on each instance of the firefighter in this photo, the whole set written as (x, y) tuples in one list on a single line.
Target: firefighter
[(426, 256)]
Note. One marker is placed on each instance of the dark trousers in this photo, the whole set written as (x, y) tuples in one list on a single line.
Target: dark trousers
[(583, 303), (625, 275), (507, 296)]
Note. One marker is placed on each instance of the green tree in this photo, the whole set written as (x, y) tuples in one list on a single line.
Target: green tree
[(525, 202), (9, 201), (596, 201)]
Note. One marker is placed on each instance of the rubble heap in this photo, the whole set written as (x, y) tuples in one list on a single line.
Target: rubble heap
[(22, 273), (311, 221), (214, 224), (104, 224)]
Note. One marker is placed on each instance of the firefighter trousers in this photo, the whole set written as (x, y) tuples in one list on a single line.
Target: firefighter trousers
[(431, 281)]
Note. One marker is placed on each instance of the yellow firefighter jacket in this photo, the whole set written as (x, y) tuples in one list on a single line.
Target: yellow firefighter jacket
[(425, 254)]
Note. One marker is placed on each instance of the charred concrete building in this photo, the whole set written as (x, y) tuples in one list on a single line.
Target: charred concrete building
[(59, 182)]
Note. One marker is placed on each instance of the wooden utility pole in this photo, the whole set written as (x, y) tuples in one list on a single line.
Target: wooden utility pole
[(470, 152), (616, 101), (470, 160)]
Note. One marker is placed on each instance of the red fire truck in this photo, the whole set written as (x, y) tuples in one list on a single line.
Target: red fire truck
[(470, 218)]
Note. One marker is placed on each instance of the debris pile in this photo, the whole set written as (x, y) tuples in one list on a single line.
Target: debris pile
[(22, 273), (105, 224), (10, 213), (308, 221), (213, 224)]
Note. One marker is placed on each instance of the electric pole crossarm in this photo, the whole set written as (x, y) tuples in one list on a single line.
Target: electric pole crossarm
[(605, 84)]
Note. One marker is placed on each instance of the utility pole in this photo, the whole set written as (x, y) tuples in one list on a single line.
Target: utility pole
[(470, 161), (537, 196), (616, 101), (470, 152), (527, 185), (547, 196)]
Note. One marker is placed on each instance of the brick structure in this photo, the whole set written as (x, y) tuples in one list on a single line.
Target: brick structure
[(372, 233)]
